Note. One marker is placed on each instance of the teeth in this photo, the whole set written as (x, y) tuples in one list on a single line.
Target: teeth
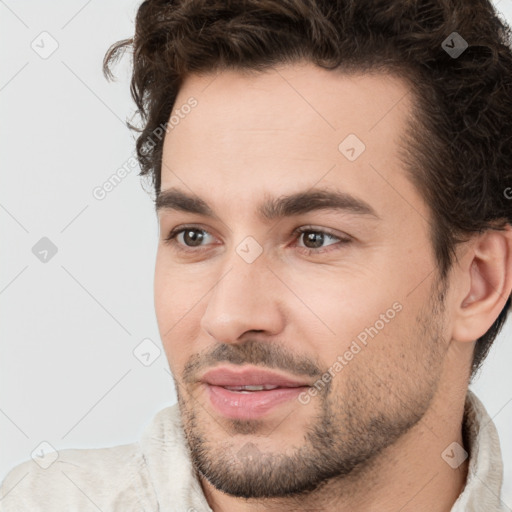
[(251, 388)]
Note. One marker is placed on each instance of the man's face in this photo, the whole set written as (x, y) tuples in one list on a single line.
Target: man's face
[(344, 317)]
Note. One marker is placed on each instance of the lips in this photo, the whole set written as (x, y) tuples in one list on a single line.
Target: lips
[(227, 377), (249, 393)]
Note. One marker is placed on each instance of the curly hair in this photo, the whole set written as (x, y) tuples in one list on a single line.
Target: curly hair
[(457, 146)]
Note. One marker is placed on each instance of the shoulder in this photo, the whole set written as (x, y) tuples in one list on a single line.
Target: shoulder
[(107, 479), (79, 479), (115, 479)]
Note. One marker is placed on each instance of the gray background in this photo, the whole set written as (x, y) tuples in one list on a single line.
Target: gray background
[(70, 324)]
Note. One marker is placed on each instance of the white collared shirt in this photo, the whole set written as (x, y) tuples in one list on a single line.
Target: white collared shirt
[(156, 473)]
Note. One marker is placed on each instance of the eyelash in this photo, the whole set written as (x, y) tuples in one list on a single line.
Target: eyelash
[(297, 232)]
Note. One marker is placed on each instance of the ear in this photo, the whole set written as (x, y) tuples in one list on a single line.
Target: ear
[(486, 276)]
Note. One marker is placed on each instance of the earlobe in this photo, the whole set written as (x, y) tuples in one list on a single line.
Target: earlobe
[(489, 274)]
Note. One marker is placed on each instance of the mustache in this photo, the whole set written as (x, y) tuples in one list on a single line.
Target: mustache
[(251, 352)]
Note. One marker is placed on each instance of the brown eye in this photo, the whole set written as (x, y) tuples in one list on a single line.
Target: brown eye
[(193, 237), (187, 238), (313, 239)]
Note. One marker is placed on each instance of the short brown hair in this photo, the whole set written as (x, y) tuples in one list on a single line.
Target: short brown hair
[(457, 147)]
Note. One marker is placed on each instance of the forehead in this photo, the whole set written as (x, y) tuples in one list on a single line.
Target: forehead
[(299, 96), (293, 125)]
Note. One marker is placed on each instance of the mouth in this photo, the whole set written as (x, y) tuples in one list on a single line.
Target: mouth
[(249, 389), (248, 393)]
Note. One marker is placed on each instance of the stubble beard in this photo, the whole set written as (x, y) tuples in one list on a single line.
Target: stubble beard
[(349, 431)]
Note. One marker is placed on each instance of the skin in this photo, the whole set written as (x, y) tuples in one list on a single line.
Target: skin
[(258, 135)]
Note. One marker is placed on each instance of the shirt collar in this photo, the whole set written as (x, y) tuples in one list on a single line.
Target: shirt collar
[(485, 472)]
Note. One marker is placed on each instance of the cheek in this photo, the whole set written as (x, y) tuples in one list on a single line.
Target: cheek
[(176, 290), (356, 321), (376, 358), (162, 298), (172, 309), (340, 303), (180, 298)]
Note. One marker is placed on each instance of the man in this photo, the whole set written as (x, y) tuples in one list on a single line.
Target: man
[(332, 183)]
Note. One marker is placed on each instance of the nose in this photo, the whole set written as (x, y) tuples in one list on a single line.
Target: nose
[(247, 297)]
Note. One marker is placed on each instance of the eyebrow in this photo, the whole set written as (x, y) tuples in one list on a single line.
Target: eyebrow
[(272, 208)]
